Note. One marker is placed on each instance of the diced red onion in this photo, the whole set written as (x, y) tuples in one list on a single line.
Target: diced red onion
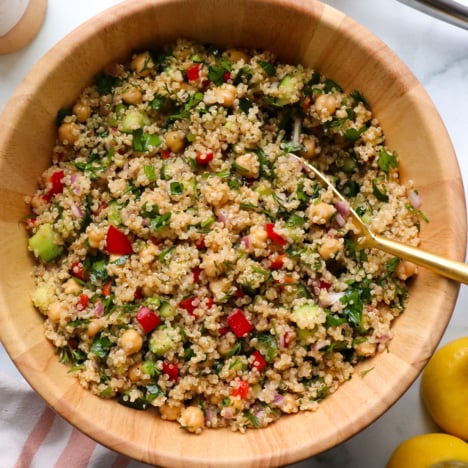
[(342, 207), (320, 344), (278, 398), (385, 338), (296, 133), (415, 199), (340, 220), (76, 210), (223, 217), (227, 412), (246, 241), (99, 309)]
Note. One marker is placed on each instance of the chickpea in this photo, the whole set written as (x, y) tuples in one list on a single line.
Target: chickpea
[(220, 287), (309, 148), (226, 343), (55, 311), (365, 349), (68, 133), (82, 110), (289, 404), (148, 254), (248, 165), (325, 105), (258, 237), (330, 247), (405, 270), (94, 327), (213, 264), (226, 94), (171, 412), (236, 55), (131, 341), (142, 64), (175, 141), (135, 372), (320, 213), (192, 419), (71, 287), (95, 236), (132, 96)]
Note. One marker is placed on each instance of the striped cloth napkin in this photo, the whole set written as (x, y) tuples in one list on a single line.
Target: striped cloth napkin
[(33, 436)]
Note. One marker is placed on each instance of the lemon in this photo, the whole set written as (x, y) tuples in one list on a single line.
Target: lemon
[(444, 387), (430, 451)]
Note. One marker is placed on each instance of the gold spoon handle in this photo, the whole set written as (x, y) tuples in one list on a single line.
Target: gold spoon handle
[(452, 269)]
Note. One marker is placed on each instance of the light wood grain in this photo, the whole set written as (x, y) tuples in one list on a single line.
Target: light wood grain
[(299, 31)]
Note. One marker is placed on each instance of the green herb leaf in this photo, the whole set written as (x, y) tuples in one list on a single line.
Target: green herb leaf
[(380, 193), (359, 97), (268, 67), (176, 188), (150, 173), (101, 346), (387, 161)]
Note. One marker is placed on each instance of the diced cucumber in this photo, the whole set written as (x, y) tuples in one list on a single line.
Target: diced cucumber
[(42, 296), (149, 367), (43, 243), (286, 89), (307, 316), (153, 302), (163, 339), (166, 310), (113, 215), (133, 120)]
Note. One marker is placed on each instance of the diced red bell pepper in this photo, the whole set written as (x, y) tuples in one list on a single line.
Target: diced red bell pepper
[(171, 369), (324, 284), (238, 323), (196, 274), (200, 243), (277, 262), (226, 76), (165, 154), (239, 293), (259, 362), (56, 181), (138, 294), (83, 301), (274, 236), (223, 330), (204, 158), (190, 304), (106, 289), (242, 389), (147, 319), (117, 242), (78, 271), (193, 73)]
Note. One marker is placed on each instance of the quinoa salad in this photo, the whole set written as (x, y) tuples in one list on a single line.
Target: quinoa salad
[(185, 261)]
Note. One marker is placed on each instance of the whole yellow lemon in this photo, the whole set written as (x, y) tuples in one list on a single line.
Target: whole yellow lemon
[(444, 387), (430, 451)]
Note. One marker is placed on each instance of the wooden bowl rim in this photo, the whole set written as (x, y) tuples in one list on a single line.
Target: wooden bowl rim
[(65, 403)]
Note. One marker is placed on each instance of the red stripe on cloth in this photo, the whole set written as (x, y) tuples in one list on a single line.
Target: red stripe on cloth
[(35, 438), (121, 462), (77, 452)]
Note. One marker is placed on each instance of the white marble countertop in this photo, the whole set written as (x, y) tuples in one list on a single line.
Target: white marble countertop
[(437, 53)]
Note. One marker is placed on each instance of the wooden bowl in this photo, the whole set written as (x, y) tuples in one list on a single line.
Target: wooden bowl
[(298, 31)]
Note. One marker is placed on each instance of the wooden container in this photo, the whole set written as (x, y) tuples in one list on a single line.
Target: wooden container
[(22, 24), (298, 31)]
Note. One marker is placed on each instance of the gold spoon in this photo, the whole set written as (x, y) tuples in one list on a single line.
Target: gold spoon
[(452, 269)]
